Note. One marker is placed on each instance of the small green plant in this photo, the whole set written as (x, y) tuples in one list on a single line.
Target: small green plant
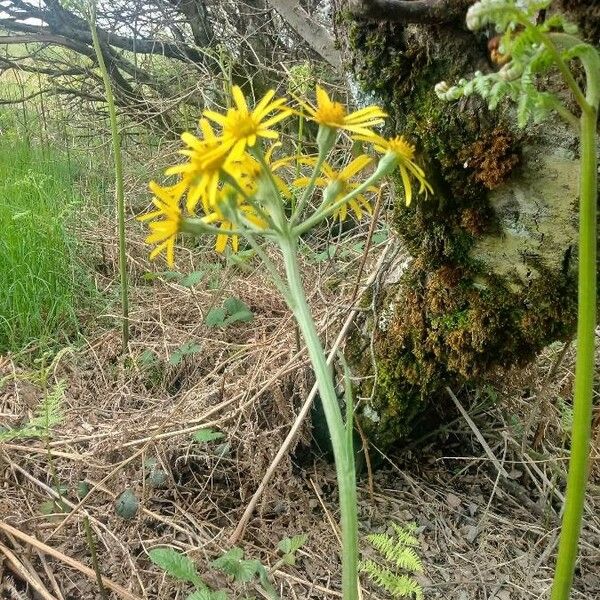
[(207, 435), (533, 49), (397, 562), (233, 311), (232, 563), (47, 415), (184, 350)]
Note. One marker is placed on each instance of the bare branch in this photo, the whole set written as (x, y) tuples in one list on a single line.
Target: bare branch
[(313, 33)]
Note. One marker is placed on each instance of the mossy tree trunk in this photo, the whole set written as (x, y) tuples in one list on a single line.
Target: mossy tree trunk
[(491, 278)]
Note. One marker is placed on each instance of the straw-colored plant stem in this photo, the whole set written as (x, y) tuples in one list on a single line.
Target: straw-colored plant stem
[(118, 163)]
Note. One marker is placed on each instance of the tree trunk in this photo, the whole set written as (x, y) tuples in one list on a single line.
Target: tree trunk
[(491, 275)]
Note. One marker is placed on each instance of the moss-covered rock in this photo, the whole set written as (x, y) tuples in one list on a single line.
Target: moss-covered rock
[(491, 276)]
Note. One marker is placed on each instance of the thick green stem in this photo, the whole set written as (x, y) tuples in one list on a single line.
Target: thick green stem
[(119, 187), (584, 370), (343, 454)]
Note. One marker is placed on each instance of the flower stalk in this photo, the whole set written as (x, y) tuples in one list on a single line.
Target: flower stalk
[(118, 165), (240, 190), (342, 446), (584, 367)]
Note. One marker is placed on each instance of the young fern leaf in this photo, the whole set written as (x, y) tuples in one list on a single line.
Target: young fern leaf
[(398, 586), (396, 552), (48, 415), (405, 535), (401, 563)]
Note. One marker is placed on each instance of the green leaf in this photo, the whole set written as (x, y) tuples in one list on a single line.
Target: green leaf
[(207, 435), (379, 237), (215, 317), (176, 564), (240, 316), (233, 310), (166, 275), (291, 545), (50, 507), (233, 564), (207, 594), (184, 350), (83, 489), (234, 305), (148, 358), (127, 505), (192, 279)]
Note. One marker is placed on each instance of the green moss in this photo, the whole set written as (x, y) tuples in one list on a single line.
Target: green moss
[(449, 321)]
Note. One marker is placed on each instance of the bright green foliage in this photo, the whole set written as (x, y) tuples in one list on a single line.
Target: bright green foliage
[(232, 311), (176, 564), (399, 563), (289, 546), (47, 416), (40, 282), (239, 569), (207, 435), (184, 350), (502, 13), (529, 56), (180, 567)]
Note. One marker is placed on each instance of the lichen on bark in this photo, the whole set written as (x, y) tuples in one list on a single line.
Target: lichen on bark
[(491, 280)]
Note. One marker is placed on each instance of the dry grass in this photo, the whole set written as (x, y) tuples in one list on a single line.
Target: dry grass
[(483, 534)]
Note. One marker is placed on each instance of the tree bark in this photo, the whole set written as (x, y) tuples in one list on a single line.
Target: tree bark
[(491, 276)]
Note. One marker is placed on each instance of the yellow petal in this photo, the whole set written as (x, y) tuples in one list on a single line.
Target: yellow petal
[(238, 98)]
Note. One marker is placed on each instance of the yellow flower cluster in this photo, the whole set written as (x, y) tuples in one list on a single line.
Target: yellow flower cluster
[(224, 168)]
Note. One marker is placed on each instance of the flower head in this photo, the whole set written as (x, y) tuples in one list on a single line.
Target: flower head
[(341, 184), (200, 175), (335, 115), (403, 154), (163, 232), (241, 127)]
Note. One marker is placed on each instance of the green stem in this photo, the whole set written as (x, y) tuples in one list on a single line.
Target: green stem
[(91, 543), (328, 210), (118, 163), (309, 188), (343, 455), (584, 369), (547, 41)]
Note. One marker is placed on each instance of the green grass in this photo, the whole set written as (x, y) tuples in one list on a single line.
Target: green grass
[(41, 283)]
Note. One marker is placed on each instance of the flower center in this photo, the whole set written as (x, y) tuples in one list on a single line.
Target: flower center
[(331, 114), (401, 148), (240, 125)]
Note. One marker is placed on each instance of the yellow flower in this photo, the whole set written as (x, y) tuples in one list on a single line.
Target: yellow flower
[(404, 153), (341, 179), (164, 231), (201, 176), (226, 227), (335, 115), (242, 127)]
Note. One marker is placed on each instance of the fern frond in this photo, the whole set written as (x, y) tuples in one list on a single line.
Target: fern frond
[(397, 552), (405, 534), (398, 586), (48, 415)]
